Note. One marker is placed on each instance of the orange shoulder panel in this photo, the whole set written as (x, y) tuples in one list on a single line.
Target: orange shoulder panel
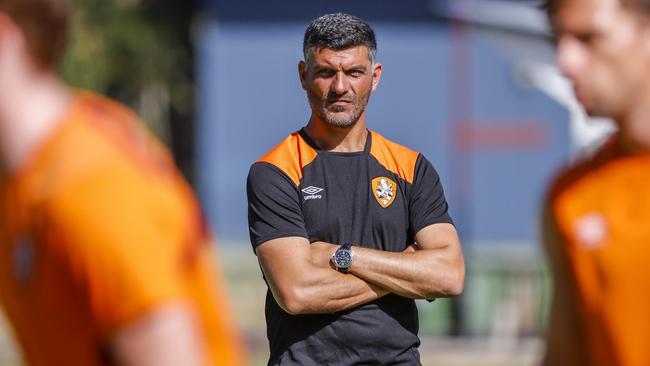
[(291, 156), (394, 157), (573, 174)]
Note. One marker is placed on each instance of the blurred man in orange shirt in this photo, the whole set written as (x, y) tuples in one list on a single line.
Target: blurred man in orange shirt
[(103, 253), (597, 226)]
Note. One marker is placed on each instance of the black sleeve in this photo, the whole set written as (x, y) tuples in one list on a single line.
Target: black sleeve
[(273, 205), (427, 203)]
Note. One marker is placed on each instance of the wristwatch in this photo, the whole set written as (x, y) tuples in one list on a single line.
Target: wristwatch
[(342, 258)]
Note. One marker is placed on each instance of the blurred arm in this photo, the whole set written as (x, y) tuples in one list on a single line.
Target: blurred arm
[(563, 338), (302, 281), (164, 337)]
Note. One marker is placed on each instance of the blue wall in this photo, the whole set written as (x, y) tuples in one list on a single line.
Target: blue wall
[(250, 98)]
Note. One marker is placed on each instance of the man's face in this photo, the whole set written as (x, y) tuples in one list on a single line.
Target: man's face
[(603, 49), (339, 83)]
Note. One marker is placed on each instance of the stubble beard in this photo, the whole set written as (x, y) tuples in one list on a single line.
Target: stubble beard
[(333, 116)]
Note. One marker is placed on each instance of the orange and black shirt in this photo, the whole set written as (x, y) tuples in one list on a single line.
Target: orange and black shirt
[(376, 198), (600, 215), (97, 230)]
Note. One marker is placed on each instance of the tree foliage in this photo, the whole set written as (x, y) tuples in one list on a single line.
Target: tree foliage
[(129, 47), (139, 52)]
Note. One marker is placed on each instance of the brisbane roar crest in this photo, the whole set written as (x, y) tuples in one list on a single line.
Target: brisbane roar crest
[(384, 191)]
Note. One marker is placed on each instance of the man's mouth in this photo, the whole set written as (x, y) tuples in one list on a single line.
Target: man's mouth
[(340, 102)]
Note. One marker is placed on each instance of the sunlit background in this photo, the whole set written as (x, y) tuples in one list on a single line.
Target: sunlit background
[(469, 83)]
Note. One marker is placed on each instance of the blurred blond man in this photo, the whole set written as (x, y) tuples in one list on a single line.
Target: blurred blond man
[(103, 252)]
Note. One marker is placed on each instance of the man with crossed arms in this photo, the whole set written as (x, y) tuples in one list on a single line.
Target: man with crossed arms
[(335, 212)]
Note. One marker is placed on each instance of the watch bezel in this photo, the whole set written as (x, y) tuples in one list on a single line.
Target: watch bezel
[(342, 258)]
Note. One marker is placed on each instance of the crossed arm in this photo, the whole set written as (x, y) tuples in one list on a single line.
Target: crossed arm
[(302, 280)]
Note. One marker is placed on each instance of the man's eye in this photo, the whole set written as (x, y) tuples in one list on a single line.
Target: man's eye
[(585, 38), (325, 73)]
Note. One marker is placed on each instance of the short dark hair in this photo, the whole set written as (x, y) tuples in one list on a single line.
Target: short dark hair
[(338, 32), (641, 6), (44, 24)]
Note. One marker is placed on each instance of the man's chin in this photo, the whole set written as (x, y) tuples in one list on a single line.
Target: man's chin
[(336, 120), (340, 123), (593, 112), (591, 108)]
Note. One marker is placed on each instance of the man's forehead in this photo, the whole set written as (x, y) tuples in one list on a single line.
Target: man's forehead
[(354, 55), (579, 15)]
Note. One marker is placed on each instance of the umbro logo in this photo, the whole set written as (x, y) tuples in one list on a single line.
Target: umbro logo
[(312, 190), (311, 193)]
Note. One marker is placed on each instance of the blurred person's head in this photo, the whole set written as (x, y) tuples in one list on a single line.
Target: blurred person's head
[(603, 46), (39, 27), (32, 98), (339, 71)]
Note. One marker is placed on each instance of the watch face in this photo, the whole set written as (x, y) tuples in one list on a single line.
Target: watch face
[(343, 258)]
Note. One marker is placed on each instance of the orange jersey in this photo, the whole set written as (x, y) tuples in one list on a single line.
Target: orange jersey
[(601, 213), (98, 229)]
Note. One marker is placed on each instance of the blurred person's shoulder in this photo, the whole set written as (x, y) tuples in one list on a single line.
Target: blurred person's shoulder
[(99, 142), (577, 171), (101, 130), (608, 172)]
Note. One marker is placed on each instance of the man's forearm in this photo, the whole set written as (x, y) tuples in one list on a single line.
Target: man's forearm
[(318, 288), (334, 291), (429, 273), (423, 274), (302, 281)]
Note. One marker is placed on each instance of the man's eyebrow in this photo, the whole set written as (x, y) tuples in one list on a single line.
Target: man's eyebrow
[(319, 67), (358, 68)]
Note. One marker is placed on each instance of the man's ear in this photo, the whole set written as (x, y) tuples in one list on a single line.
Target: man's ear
[(376, 75), (302, 73)]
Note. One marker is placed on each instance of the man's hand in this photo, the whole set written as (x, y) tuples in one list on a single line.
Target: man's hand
[(411, 248)]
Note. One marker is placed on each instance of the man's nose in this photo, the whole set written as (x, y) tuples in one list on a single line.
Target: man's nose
[(570, 57), (340, 85)]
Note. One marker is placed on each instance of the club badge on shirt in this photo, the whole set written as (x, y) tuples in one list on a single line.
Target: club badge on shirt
[(384, 191)]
